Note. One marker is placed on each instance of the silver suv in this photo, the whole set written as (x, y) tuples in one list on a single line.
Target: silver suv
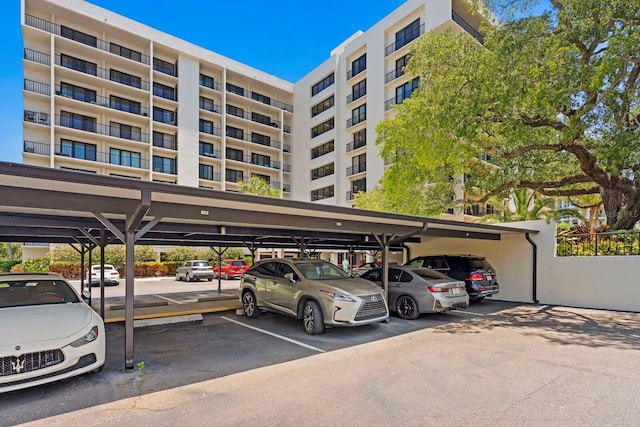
[(195, 269), (315, 291)]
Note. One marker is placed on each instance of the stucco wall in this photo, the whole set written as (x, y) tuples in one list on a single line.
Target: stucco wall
[(607, 282)]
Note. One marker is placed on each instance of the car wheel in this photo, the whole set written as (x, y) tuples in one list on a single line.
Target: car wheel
[(210, 278), (407, 308), (178, 277), (187, 278), (312, 318), (249, 304), (226, 275)]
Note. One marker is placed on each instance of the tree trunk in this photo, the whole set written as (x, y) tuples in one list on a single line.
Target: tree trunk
[(622, 210), (10, 250)]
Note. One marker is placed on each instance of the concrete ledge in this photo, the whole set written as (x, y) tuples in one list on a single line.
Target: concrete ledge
[(167, 320), (140, 305)]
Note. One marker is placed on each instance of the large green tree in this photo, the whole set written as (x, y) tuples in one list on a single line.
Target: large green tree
[(257, 185), (553, 99)]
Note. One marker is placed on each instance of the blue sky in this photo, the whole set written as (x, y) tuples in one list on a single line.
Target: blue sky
[(286, 38)]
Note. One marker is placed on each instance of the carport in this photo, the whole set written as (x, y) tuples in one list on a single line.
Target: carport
[(46, 205)]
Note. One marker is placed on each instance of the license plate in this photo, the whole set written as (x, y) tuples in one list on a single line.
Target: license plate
[(489, 277), (455, 291)]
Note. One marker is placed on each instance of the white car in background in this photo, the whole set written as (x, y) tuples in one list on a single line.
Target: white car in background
[(48, 332), (111, 275)]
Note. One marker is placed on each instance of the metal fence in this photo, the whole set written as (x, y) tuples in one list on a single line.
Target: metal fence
[(598, 244)]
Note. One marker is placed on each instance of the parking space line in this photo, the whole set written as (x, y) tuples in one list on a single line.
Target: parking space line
[(274, 335), (169, 299), (470, 313)]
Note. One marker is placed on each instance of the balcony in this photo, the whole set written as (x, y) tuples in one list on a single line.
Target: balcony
[(359, 168), (215, 176), (467, 27), (286, 168), (407, 40), (354, 145), (286, 148), (109, 75), (355, 96), (37, 87), (258, 97), (37, 148), (389, 104), (393, 74), (356, 119), (38, 57), (250, 160), (256, 118), (286, 188), (50, 27), (108, 158), (102, 101), (210, 106), (211, 130), (36, 117), (102, 129), (251, 138), (215, 154)]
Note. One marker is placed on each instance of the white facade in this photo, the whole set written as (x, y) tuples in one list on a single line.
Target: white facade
[(108, 95)]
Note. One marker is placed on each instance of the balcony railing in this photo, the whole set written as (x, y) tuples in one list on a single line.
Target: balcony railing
[(356, 119), (351, 74), (389, 104), (393, 74), (253, 95), (105, 74), (102, 129), (286, 188), (354, 96), (215, 176), (354, 145), (598, 244), (209, 106), (215, 85), (410, 37), (256, 119), (103, 101), (286, 168), (215, 154), (50, 27), (272, 164), (359, 168), (477, 210), (37, 148), (249, 138), (36, 117), (467, 27), (349, 196), (37, 87), (108, 158), (286, 129), (216, 131), (35, 56)]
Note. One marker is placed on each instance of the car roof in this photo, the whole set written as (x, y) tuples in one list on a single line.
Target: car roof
[(29, 276)]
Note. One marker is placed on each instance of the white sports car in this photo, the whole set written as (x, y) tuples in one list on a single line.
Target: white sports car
[(48, 332)]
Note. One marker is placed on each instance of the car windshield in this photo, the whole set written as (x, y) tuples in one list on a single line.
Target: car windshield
[(238, 263), (15, 293), (201, 264), (321, 271)]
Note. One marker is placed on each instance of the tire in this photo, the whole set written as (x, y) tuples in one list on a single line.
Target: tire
[(249, 304), (312, 318), (178, 278), (407, 308), (187, 278), (210, 278), (226, 275)]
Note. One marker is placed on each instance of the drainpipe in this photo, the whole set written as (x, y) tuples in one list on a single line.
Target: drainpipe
[(535, 268)]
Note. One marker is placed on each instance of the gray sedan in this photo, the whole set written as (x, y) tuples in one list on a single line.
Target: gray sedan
[(414, 290)]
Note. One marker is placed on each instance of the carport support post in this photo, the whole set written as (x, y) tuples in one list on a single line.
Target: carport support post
[(219, 252), (128, 304), (103, 242)]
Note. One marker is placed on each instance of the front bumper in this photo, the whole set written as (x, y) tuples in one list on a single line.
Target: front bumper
[(366, 310)]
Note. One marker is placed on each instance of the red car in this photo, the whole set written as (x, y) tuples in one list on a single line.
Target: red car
[(231, 269)]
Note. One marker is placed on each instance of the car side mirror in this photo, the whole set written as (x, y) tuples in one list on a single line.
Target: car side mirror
[(290, 277)]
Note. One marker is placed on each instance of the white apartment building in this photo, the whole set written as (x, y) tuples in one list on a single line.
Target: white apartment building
[(108, 95)]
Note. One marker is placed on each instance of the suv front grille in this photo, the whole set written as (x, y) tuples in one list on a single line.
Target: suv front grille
[(372, 307), (12, 365)]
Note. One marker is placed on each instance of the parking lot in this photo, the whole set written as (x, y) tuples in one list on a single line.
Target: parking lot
[(495, 364)]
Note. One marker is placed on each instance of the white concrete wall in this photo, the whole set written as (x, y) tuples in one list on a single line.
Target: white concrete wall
[(605, 282)]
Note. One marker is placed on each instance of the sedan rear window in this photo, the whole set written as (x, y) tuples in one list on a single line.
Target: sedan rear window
[(478, 263), (430, 274), (201, 264)]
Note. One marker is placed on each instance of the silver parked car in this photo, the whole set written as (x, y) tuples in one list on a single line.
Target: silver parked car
[(414, 290), (195, 269), (316, 291)]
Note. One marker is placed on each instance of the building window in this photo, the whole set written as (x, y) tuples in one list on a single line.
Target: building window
[(164, 116), (323, 149), (322, 84), (207, 149), (235, 89), (120, 130), (164, 140), (124, 158), (124, 104), (78, 150), (165, 67), (358, 66), (77, 92), (359, 185), (77, 121), (207, 81), (400, 64), (260, 98), (261, 118), (322, 171), (359, 140), (125, 52), (164, 165), (235, 132), (408, 34), (358, 165), (403, 92), (322, 193), (206, 126), (235, 111), (358, 90), (78, 64), (358, 115), (322, 106), (209, 105), (260, 160), (163, 91), (234, 154), (78, 36), (125, 79), (233, 175), (261, 139), (322, 128), (205, 172)]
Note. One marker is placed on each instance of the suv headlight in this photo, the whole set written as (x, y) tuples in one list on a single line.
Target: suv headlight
[(338, 296), (90, 336)]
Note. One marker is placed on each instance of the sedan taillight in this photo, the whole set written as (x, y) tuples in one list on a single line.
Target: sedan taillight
[(475, 276), (436, 289)]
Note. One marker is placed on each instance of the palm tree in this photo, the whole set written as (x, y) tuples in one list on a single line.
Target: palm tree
[(258, 186), (525, 205)]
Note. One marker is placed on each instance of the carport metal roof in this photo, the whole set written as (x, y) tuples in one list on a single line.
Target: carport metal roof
[(49, 205)]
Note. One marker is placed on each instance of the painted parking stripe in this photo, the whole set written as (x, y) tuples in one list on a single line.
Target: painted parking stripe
[(169, 299), (301, 344), (470, 313)]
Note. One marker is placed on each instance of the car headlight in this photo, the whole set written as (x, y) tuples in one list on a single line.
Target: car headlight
[(90, 336), (338, 296)]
